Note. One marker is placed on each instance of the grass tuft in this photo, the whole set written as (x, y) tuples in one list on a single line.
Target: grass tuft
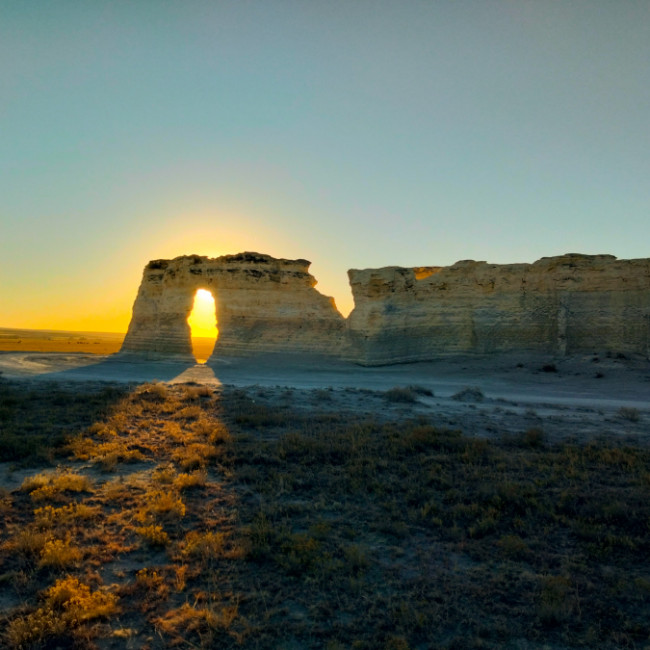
[(402, 395), (153, 535), (59, 554), (54, 486)]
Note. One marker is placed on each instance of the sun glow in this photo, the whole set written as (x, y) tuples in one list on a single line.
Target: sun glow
[(203, 323)]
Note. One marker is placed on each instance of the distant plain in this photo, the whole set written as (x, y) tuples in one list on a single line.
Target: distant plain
[(28, 340)]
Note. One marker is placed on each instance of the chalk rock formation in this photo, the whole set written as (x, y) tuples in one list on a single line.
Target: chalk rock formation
[(263, 304), (561, 305), (557, 305)]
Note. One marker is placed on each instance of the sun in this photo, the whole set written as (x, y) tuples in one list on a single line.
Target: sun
[(202, 319)]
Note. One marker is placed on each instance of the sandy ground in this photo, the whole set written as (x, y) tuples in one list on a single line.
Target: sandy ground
[(585, 397)]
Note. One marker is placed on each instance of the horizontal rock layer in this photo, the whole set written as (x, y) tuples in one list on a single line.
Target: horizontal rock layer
[(557, 305)]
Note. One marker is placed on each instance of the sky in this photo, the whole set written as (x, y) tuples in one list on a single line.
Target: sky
[(354, 134)]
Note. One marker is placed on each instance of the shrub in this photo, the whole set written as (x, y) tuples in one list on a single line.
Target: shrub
[(469, 394), (29, 542), (164, 474), (299, 552), (50, 516), (153, 535), (81, 447), (556, 602), (159, 503), (405, 395), (149, 580), (534, 437), (5, 501), (167, 503), (81, 603), (421, 390), (35, 482), (194, 479), (59, 554), (187, 621), (109, 454), (68, 604), (194, 455), (207, 545), (356, 558), (191, 393), (155, 392), (190, 413), (51, 486), (513, 546), (262, 534), (629, 413)]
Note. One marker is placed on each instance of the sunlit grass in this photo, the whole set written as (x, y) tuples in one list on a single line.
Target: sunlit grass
[(54, 486), (67, 606), (59, 553)]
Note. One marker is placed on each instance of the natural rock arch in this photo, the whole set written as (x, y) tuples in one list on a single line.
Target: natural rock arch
[(263, 304)]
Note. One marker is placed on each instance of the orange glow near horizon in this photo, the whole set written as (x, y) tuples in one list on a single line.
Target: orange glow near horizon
[(203, 323)]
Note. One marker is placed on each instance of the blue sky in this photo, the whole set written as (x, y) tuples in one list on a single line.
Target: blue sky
[(354, 134)]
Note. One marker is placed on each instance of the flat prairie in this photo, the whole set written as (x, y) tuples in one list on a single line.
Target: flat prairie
[(25, 340)]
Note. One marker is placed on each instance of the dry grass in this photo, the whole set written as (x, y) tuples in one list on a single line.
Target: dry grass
[(629, 413), (247, 525), (68, 606), (59, 553), (153, 535), (205, 622), (49, 516), (205, 546), (37, 419), (55, 486)]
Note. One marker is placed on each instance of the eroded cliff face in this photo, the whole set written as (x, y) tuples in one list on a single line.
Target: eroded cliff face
[(263, 304), (560, 305), (557, 305)]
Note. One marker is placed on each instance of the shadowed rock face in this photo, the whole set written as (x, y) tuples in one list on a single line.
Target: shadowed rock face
[(263, 305), (557, 305)]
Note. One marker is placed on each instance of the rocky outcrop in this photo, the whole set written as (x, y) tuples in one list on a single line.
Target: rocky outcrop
[(263, 305), (558, 305)]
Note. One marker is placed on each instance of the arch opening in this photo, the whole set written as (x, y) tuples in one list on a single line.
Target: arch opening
[(203, 325)]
